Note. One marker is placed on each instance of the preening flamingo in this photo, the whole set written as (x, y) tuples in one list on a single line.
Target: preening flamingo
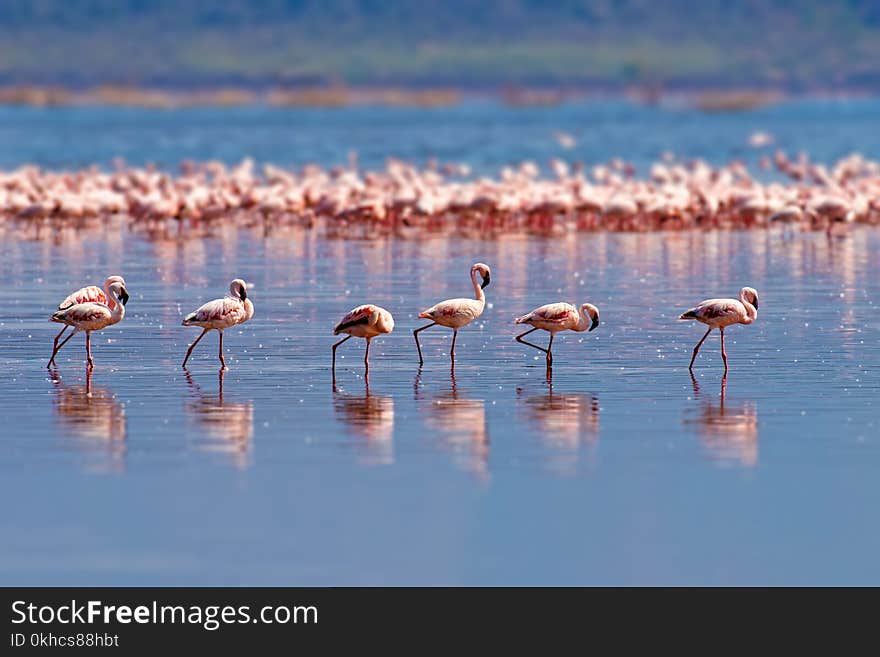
[(90, 293), (365, 321), (456, 313), (220, 314), (92, 316), (555, 317), (721, 313)]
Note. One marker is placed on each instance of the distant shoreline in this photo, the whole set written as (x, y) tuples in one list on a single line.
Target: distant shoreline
[(331, 96)]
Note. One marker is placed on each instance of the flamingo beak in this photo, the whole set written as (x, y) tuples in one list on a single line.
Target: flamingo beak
[(486, 280), (123, 297), (243, 293), (755, 303), (594, 324)]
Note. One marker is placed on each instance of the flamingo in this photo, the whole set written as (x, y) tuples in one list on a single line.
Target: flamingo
[(90, 293), (721, 313), (220, 314), (365, 321), (92, 316), (457, 313), (555, 317)]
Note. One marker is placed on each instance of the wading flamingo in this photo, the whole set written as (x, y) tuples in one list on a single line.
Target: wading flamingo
[(365, 321), (721, 313), (90, 293), (92, 316), (456, 313), (555, 317), (220, 314)]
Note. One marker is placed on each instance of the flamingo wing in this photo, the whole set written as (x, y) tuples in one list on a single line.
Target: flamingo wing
[(552, 313), (714, 309), (359, 315), (90, 293), (82, 313)]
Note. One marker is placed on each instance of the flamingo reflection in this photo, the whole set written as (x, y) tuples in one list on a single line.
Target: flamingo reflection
[(370, 417), (729, 432), (460, 422), (224, 427), (94, 417), (564, 422)]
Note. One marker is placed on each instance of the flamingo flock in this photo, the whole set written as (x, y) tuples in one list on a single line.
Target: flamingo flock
[(673, 195), (93, 309)]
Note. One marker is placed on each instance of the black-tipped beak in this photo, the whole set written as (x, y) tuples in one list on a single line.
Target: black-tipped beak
[(486, 280), (243, 293), (123, 297), (594, 324), (755, 304)]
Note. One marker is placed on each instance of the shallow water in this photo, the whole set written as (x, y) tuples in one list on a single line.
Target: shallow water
[(621, 469)]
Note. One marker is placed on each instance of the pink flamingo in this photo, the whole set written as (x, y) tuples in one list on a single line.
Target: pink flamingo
[(457, 313), (92, 316), (555, 317), (90, 293), (220, 314), (365, 321), (721, 313)]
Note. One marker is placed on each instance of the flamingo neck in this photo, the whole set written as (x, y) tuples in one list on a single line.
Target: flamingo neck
[(478, 291), (751, 311), (111, 302), (583, 322)]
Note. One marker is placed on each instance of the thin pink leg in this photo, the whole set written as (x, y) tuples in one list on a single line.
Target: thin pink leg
[(452, 350), (723, 353), (192, 346), (334, 353), (550, 351), (697, 348), (58, 348), (89, 349), (222, 360), (55, 345), (416, 336), (367, 355)]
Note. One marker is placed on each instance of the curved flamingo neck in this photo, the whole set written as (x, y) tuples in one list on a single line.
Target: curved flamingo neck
[(583, 321), (751, 311), (478, 291), (111, 302)]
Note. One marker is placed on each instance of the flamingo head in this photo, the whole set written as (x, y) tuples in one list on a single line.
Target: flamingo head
[(484, 272), (749, 294), (593, 313), (238, 289), (118, 291)]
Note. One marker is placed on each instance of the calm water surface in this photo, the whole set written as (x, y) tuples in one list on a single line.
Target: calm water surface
[(621, 469)]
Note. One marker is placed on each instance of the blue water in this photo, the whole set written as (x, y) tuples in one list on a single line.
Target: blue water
[(619, 470)]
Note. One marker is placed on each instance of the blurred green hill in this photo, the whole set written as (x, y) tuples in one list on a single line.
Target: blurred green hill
[(791, 44)]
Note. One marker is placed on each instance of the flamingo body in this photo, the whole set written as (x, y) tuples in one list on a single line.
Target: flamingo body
[(457, 313), (220, 314), (555, 317), (90, 315), (366, 322), (721, 313)]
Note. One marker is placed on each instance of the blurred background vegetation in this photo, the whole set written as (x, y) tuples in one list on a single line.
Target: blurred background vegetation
[(790, 45)]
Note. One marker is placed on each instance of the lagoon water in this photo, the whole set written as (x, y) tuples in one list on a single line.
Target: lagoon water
[(620, 469)]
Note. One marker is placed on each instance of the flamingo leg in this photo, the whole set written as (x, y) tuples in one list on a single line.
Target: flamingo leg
[(723, 353), (222, 360), (89, 349), (520, 337), (697, 348), (367, 355), (58, 347), (416, 336), (550, 350), (192, 346), (452, 350), (55, 345), (334, 353)]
